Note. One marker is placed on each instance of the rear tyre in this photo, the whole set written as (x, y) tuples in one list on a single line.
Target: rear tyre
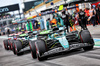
[(18, 47), (33, 49), (11, 43), (85, 37), (40, 49), (5, 42)]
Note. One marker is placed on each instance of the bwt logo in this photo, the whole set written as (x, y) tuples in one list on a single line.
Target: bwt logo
[(4, 9)]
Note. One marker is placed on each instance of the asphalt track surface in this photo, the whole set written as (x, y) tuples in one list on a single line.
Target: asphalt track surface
[(73, 58)]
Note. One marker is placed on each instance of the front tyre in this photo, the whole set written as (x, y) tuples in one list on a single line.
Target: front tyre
[(40, 49), (33, 49), (13, 47), (86, 37), (5, 42), (18, 47)]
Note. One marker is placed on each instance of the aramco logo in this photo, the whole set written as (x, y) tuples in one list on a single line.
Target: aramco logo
[(4, 9)]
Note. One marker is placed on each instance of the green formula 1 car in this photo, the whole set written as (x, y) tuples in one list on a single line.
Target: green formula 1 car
[(22, 42), (57, 40), (8, 42)]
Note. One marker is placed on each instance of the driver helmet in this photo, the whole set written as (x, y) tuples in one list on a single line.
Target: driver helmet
[(93, 6)]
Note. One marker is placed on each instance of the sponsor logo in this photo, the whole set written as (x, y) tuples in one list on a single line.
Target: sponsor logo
[(4, 9)]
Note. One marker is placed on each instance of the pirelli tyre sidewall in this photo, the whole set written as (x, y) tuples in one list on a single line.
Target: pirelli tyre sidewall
[(86, 37), (33, 49), (40, 49), (11, 43), (13, 47), (18, 46), (5, 42)]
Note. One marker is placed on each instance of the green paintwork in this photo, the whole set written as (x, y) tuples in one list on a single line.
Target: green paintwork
[(45, 32), (22, 35), (31, 26), (97, 42), (27, 27)]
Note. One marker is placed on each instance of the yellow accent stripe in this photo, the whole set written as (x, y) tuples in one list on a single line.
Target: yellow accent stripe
[(21, 41), (53, 45)]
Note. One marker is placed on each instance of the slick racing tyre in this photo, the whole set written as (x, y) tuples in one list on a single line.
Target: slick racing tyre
[(40, 49), (5, 42), (85, 37), (13, 47), (33, 49), (11, 43), (18, 47), (88, 48)]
